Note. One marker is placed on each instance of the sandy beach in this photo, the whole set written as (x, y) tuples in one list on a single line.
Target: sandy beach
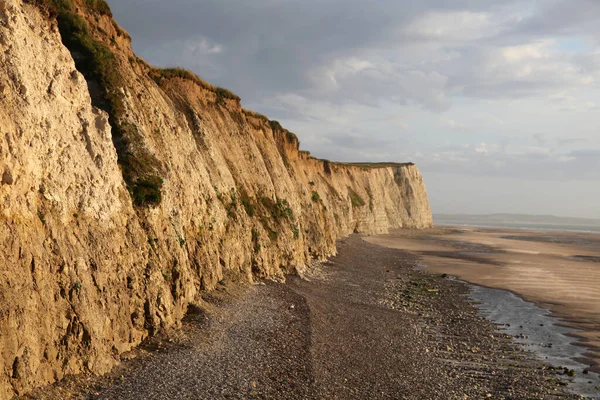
[(556, 270)]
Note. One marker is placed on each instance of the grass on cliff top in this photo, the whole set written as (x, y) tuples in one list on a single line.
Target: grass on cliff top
[(290, 137), (100, 6), (158, 74), (256, 115), (372, 165), (54, 7)]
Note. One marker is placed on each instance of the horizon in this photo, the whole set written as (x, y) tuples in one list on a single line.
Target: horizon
[(515, 215), (518, 133)]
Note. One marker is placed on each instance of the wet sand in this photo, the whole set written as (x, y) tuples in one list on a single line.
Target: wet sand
[(556, 270)]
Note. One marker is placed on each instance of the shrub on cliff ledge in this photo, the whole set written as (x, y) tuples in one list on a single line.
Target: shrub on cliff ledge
[(247, 203), (225, 94), (279, 209), (316, 197), (355, 198), (275, 126), (147, 191)]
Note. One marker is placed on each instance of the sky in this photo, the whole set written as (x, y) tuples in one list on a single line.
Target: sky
[(497, 102)]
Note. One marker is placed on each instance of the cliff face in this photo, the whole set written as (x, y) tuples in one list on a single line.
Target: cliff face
[(112, 224)]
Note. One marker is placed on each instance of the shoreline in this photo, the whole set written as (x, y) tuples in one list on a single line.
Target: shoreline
[(538, 266), (541, 333), (364, 324)]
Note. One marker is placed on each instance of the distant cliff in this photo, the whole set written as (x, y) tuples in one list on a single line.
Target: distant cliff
[(127, 190)]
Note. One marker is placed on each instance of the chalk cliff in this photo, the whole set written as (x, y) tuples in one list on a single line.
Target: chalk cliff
[(126, 191)]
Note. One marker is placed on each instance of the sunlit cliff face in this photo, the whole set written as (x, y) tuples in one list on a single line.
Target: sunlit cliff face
[(128, 190)]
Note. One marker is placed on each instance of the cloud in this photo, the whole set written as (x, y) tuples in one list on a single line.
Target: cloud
[(358, 142), (565, 159), (568, 141), (482, 149), (541, 138), (532, 164), (413, 54), (453, 125), (455, 26)]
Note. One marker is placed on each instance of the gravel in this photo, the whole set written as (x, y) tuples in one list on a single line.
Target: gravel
[(364, 325)]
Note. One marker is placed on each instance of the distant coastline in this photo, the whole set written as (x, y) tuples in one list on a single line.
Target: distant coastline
[(519, 221)]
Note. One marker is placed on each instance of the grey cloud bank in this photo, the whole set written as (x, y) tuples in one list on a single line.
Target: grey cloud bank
[(505, 93)]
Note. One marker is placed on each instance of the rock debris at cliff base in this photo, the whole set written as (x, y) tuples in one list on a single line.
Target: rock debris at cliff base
[(364, 325)]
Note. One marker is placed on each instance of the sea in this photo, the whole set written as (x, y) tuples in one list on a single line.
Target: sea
[(483, 223)]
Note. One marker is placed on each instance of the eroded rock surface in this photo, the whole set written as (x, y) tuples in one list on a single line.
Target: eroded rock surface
[(89, 266)]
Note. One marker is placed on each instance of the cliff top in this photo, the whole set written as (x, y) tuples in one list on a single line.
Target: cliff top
[(88, 27), (375, 165)]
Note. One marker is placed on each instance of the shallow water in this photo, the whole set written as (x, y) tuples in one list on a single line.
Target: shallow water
[(538, 332)]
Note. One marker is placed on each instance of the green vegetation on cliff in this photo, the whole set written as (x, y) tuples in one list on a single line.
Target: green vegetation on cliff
[(158, 74), (355, 198)]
